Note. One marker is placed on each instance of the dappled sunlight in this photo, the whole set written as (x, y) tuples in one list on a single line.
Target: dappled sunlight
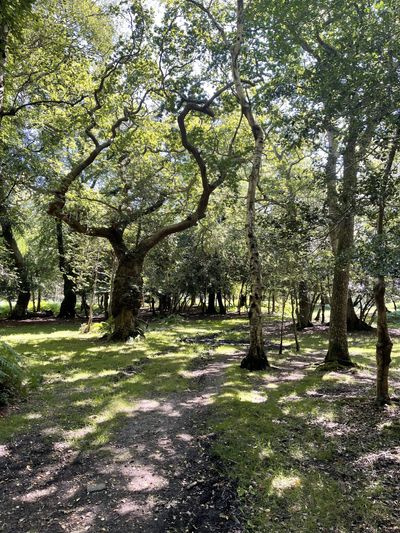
[(121, 417), (4, 451), (282, 483), (142, 478), (338, 377), (35, 495), (385, 456)]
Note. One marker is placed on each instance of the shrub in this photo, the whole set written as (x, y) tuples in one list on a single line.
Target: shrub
[(11, 373)]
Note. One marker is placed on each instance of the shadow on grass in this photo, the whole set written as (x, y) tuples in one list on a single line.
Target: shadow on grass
[(310, 450), (118, 418)]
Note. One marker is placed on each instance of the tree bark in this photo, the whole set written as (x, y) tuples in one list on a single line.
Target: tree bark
[(338, 350), (24, 290), (354, 323), (211, 309), (127, 297), (384, 343), (222, 308), (303, 318), (67, 307), (256, 358), (383, 346)]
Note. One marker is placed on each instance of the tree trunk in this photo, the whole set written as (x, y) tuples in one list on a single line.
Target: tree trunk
[(322, 308), (384, 343), (303, 318), (383, 346), (127, 297), (256, 358), (284, 298), (222, 308), (211, 309), (338, 350), (353, 321), (24, 290), (106, 305), (67, 307), (296, 338)]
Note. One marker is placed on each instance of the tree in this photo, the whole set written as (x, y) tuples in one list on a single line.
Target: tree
[(137, 130), (384, 343), (334, 56)]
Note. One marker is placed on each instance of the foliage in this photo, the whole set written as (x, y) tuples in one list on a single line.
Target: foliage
[(12, 373)]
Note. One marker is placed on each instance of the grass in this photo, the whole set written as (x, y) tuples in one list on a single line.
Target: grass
[(292, 442), (292, 438), (79, 399)]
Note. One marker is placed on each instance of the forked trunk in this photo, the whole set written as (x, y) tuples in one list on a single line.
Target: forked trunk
[(126, 297), (354, 323)]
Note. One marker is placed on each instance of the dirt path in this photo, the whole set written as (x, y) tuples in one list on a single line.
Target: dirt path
[(156, 474)]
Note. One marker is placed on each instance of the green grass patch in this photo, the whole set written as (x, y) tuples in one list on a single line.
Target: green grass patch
[(290, 435), (291, 441), (80, 398)]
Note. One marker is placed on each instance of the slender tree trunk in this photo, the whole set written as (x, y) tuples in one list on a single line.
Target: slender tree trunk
[(284, 298), (383, 346), (384, 343), (296, 337), (211, 309), (256, 358), (338, 350), (24, 290), (67, 307), (303, 318), (84, 304), (127, 297), (222, 308)]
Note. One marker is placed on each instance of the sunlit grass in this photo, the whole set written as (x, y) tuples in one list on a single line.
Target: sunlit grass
[(280, 434), (79, 400)]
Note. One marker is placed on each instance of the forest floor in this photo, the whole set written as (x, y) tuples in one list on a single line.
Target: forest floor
[(168, 434)]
